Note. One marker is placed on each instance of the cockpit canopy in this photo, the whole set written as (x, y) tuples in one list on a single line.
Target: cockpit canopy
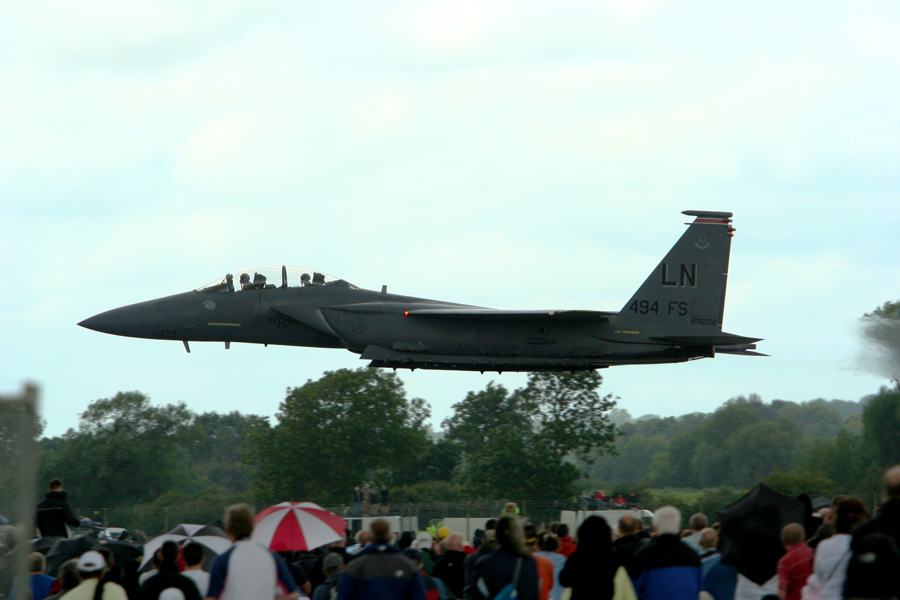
[(257, 278)]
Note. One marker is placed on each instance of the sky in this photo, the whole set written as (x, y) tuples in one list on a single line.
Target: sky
[(509, 154)]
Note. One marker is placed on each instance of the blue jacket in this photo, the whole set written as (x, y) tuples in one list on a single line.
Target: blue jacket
[(380, 572), (670, 570)]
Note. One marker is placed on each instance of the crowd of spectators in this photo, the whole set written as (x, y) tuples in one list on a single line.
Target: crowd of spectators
[(848, 557)]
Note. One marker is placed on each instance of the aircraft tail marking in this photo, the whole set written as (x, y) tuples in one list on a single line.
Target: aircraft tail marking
[(687, 288)]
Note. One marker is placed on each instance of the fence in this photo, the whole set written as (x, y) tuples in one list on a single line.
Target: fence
[(156, 520)]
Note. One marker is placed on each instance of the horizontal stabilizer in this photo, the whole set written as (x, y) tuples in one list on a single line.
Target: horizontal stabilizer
[(720, 339), (740, 349), (511, 315)]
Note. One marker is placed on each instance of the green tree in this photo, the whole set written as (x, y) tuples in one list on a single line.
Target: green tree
[(881, 422), (509, 465), (479, 416), (126, 451), (570, 415), (332, 433)]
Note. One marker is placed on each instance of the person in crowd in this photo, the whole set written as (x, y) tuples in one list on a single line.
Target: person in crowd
[(510, 508), (193, 570), (168, 577), (53, 516), (316, 572), (68, 578), (709, 549), (833, 554), (510, 563), (362, 540), (620, 501), (38, 580), (380, 572), (629, 541), (356, 497), (826, 529), (385, 500), (488, 545), (548, 545), (566, 542), (332, 567), (248, 569), (795, 567), (669, 569), (435, 589), (427, 544), (155, 560), (91, 568), (451, 566), (366, 500), (875, 547), (696, 524), (546, 576), (591, 570)]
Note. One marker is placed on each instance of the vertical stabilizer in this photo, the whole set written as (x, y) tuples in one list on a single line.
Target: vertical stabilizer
[(688, 287)]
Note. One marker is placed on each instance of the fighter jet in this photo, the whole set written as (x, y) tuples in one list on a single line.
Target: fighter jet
[(675, 316)]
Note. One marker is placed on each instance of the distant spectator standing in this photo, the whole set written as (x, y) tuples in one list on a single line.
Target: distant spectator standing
[(168, 577), (669, 569), (874, 571), (385, 500), (380, 572), (53, 516), (193, 560), (795, 567), (366, 500), (356, 496), (248, 569)]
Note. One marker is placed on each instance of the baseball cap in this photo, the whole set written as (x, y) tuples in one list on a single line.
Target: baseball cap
[(332, 560), (91, 561)]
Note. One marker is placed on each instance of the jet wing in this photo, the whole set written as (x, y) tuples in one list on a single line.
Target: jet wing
[(489, 314), (719, 339)]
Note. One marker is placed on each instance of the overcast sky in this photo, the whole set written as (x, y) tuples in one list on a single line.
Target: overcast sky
[(514, 155)]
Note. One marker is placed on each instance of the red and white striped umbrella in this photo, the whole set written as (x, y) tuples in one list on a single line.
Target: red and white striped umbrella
[(297, 526)]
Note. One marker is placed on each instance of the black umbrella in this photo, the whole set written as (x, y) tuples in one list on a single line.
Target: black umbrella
[(126, 558), (65, 549), (751, 531), (44, 544)]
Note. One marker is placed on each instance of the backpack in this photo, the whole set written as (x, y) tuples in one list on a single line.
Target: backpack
[(511, 590), (872, 570)]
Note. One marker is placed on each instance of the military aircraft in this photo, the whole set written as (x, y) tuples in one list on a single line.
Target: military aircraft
[(675, 316)]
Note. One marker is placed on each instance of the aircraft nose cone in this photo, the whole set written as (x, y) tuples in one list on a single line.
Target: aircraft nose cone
[(137, 320)]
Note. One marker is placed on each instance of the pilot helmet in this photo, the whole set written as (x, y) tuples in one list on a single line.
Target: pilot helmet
[(245, 278), (304, 277)]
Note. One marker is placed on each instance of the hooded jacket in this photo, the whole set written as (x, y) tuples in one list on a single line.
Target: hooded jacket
[(53, 514)]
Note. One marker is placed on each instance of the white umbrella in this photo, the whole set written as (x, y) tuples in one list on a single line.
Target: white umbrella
[(209, 536)]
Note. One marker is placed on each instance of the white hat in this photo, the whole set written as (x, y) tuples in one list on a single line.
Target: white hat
[(423, 540), (171, 594), (91, 561)]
